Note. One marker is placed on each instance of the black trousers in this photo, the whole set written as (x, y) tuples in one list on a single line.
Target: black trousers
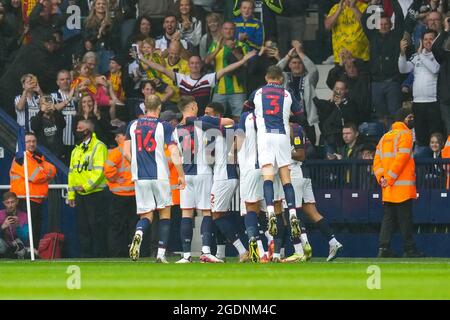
[(122, 224), (36, 219), (445, 115), (92, 216), (427, 119), (401, 214)]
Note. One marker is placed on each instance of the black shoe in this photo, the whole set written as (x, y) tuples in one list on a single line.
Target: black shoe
[(386, 253), (413, 254)]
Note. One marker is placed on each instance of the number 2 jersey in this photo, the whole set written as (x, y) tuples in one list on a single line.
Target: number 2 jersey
[(148, 137)]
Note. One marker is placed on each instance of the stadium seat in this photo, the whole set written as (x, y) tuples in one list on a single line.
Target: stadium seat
[(329, 204), (439, 206), (355, 206), (421, 207), (375, 206)]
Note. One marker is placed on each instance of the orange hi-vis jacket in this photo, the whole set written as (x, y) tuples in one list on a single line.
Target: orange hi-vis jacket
[(446, 155), (446, 151), (394, 161), (117, 171), (173, 179), (40, 172)]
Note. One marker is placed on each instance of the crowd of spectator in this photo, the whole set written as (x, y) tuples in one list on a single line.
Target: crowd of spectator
[(62, 61)]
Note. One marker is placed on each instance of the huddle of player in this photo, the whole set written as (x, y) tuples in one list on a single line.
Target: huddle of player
[(270, 178)]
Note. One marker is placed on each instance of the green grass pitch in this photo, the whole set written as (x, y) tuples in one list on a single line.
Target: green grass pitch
[(122, 279)]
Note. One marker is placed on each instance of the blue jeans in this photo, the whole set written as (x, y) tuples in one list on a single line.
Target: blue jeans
[(386, 98)]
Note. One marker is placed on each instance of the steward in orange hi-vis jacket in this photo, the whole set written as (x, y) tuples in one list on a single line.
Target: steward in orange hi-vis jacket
[(117, 170), (395, 172), (40, 172)]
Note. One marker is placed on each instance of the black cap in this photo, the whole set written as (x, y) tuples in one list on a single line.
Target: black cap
[(117, 59), (120, 130), (169, 115), (402, 113)]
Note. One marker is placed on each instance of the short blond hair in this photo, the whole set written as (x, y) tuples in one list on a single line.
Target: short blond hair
[(152, 103)]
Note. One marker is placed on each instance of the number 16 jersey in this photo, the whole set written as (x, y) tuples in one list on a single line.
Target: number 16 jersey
[(148, 137)]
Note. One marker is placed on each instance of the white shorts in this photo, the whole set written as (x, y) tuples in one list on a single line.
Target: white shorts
[(152, 194), (307, 191), (251, 186), (221, 194), (278, 192), (297, 184), (197, 193), (274, 149)]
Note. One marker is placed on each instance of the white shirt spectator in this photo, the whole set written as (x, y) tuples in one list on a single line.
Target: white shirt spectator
[(426, 70)]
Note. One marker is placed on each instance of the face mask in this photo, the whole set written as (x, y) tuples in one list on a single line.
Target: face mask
[(410, 124), (81, 135)]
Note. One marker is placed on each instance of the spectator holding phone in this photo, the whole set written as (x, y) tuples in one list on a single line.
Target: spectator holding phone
[(48, 125), (27, 103), (14, 228)]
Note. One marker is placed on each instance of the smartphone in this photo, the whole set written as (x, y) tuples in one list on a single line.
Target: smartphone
[(135, 49), (48, 99)]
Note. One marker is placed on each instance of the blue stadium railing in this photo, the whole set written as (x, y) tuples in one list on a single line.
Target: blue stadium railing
[(347, 191)]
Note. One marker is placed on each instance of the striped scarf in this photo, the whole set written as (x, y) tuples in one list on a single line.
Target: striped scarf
[(27, 7)]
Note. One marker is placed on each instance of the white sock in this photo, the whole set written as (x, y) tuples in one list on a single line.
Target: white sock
[(298, 248), (139, 232), (220, 251), (276, 255), (239, 246), (161, 252), (206, 250), (261, 250), (282, 252), (304, 238), (270, 211), (268, 236), (292, 213), (186, 255), (333, 242)]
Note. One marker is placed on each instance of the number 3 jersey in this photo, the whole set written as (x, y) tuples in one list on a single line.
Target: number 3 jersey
[(148, 137), (273, 107)]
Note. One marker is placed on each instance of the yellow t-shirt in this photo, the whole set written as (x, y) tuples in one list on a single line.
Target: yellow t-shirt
[(348, 33), (180, 67)]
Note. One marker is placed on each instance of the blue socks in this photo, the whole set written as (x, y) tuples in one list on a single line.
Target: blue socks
[(227, 229), (289, 195), (186, 234), (278, 240), (164, 233), (206, 231), (251, 225), (143, 224), (268, 192)]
